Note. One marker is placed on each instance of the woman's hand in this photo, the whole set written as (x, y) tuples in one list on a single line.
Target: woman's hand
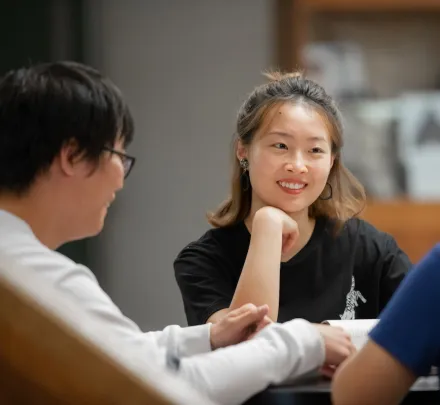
[(271, 216)]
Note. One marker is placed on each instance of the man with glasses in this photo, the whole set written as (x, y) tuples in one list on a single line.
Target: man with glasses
[(127, 160), (63, 133)]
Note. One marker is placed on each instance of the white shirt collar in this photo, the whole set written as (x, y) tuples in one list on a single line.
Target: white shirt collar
[(13, 221)]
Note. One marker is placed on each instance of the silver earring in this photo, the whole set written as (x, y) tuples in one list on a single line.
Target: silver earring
[(245, 182), (244, 163)]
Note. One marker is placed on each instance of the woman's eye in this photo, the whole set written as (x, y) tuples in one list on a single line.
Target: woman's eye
[(280, 146), (317, 150)]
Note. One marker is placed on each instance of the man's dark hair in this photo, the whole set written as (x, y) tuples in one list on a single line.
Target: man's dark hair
[(43, 107)]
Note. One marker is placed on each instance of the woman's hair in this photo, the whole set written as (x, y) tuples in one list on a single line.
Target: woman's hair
[(348, 195)]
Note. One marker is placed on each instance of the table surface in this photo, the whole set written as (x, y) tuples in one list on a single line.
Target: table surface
[(316, 391)]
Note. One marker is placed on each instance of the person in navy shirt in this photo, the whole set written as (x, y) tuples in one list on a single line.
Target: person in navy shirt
[(403, 346)]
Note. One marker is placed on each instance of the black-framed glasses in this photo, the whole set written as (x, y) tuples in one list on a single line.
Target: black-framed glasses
[(127, 160)]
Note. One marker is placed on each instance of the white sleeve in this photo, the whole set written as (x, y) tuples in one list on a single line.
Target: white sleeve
[(79, 284), (173, 341), (184, 342), (280, 351), (228, 376)]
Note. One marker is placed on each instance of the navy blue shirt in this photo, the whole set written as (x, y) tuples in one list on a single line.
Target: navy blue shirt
[(409, 327)]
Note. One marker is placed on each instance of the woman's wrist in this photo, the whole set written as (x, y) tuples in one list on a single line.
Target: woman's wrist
[(266, 219)]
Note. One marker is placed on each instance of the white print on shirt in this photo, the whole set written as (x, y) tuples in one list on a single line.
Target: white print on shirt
[(352, 302)]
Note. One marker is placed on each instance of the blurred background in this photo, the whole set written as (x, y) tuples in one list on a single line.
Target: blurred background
[(185, 66)]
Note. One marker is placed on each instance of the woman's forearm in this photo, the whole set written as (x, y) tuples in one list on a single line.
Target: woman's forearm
[(259, 282)]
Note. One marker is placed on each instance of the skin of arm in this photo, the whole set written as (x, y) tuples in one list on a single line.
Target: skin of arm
[(260, 278), (371, 377), (259, 283), (216, 317)]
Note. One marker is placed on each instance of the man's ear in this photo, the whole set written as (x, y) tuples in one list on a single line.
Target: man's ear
[(242, 152), (69, 158)]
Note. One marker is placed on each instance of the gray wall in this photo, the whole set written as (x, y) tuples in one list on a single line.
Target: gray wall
[(185, 67)]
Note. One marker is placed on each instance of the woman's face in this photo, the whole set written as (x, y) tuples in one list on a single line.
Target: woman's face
[(289, 158)]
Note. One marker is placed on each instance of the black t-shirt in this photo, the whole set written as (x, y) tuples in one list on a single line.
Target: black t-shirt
[(346, 275)]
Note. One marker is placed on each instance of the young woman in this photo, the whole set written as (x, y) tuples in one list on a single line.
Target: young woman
[(288, 235), (404, 345)]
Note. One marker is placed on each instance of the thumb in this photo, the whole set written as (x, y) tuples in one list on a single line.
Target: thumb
[(328, 370), (242, 310), (263, 323), (252, 316), (259, 326), (263, 309)]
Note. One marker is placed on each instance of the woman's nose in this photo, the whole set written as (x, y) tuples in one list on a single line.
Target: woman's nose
[(296, 164)]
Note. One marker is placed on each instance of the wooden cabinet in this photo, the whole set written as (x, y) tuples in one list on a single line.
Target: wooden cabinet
[(374, 5), (296, 20), (415, 226)]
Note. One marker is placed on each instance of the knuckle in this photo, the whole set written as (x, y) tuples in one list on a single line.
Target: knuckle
[(249, 307)]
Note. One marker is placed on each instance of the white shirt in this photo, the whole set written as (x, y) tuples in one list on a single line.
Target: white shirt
[(228, 376)]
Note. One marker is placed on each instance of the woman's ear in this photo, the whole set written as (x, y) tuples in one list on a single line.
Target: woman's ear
[(242, 152)]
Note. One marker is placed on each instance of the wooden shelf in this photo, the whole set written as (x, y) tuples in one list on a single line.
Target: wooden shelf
[(372, 5), (294, 20), (414, 225)]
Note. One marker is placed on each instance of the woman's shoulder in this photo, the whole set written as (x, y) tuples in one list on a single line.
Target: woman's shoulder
[(359, 227), (366, 244), (359, 234), (371, 243)]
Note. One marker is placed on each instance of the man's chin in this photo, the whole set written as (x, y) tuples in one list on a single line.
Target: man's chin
[(92, 232)]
